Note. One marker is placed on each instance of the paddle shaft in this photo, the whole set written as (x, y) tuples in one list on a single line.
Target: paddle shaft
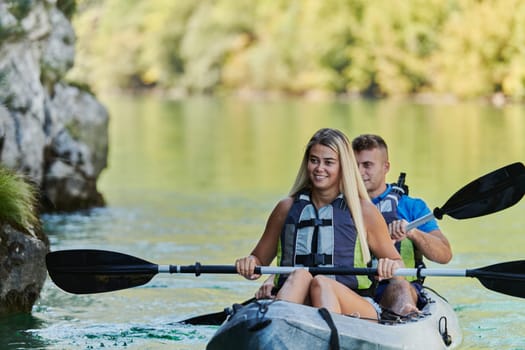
[(420, 221), (198, 269)]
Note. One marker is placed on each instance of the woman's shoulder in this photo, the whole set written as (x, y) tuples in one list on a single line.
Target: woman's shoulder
[(281, 209), (285, 203)]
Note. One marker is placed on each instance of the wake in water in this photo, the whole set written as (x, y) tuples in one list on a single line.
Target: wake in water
[(158, 334)]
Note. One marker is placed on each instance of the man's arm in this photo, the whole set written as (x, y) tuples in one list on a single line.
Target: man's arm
[(433, 245), (427, 238)]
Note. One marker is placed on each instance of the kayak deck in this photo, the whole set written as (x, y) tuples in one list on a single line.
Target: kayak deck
[(269, 324)]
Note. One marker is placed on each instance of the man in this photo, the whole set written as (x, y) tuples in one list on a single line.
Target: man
[(397, 295)]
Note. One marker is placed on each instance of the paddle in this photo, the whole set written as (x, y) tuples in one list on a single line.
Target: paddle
[(497, 190), (93, 271), (214, 319), (85, 271)]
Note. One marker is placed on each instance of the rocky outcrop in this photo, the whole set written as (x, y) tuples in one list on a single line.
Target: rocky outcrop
[(22, 270), (52, 131)]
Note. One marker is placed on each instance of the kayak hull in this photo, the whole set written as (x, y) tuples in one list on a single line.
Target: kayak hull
[(268, 324)]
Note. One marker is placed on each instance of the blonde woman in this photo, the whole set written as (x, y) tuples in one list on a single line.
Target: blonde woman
[(327, 220)]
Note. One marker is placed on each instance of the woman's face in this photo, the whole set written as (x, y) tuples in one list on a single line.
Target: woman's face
[(324, 168)]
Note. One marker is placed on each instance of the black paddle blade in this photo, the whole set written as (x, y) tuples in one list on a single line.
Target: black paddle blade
[(507, 278), (490, 193), (86, 271), (214, 319)]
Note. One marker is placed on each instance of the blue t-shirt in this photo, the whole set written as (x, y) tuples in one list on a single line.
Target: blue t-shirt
[(410, 209)]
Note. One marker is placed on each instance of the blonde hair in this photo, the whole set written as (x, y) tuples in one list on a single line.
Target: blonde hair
[(351, 184)]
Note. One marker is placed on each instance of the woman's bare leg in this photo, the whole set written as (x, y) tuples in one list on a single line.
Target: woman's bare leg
[(336, 297), (296, 287)]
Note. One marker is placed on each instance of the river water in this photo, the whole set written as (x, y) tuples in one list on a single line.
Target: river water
[(194, 180)]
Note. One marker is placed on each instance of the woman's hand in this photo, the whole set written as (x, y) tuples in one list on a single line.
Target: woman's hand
[(387, 267), (246, 266), (265, 290)]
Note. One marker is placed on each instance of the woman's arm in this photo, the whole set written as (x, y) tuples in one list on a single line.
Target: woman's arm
[(380, 242), (266, 249)]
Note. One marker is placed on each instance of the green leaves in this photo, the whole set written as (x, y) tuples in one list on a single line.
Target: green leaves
[(463, 47)]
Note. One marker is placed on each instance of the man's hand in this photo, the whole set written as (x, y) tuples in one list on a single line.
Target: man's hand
[(397, 229)]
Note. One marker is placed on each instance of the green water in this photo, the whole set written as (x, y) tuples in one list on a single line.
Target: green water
[(194, 180)]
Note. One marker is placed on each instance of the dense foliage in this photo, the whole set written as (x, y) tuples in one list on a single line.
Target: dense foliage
[(467, 48)]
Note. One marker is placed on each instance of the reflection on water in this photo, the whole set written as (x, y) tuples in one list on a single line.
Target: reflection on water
[(228, 145), (15, 332), (194, 180)]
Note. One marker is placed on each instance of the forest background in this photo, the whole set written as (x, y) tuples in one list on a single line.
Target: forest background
[(452, 49)]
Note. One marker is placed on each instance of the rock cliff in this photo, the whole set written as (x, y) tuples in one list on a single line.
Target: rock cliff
[(50, 130)]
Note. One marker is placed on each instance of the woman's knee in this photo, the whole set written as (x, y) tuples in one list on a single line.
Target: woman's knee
[(296, 287), (298, 279), (300, 275), (319, 282)]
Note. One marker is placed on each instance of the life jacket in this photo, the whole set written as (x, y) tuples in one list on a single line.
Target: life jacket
[(321, 237), (387, 204)]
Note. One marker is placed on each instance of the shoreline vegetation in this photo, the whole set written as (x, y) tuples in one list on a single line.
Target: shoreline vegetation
[(18, 203), (497, 100), (427, 51)]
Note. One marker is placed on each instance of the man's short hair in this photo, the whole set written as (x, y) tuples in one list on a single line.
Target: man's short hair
[(368, 142)]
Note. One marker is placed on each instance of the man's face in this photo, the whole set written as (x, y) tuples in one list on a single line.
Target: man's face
[(373, 166)]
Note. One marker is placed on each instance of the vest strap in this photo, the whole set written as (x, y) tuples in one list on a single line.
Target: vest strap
[(314, 259), (314, 223)]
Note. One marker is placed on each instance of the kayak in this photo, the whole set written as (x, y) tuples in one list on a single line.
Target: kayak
[(277, 324)]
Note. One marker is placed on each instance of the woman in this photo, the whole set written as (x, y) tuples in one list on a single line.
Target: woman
[(327, 220)]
